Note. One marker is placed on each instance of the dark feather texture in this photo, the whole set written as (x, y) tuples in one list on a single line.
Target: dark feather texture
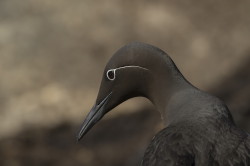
[(199, 129)]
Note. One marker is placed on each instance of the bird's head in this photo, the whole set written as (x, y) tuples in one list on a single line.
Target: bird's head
[(129, 73)]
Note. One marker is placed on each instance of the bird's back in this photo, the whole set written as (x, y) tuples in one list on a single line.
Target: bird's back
[(187, 145)]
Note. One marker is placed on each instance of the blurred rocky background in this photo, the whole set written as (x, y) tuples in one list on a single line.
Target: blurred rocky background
[(52, 55)]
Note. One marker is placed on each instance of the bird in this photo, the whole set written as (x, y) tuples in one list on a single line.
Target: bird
[(199, 129)]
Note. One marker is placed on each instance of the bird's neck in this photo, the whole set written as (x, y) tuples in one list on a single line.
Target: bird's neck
[(164, 88)]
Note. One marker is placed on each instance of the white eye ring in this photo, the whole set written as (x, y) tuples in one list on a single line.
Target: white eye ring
[(111, 74)]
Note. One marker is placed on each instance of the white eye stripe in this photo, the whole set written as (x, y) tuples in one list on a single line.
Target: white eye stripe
[(111, 72), (130, 67)]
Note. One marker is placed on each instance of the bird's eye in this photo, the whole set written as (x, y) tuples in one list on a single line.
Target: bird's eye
[(111, 74)]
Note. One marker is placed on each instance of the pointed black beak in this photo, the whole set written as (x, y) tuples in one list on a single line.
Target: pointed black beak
[(95, 114)]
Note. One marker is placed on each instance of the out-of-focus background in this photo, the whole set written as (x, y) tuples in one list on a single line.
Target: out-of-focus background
[(52, 55)]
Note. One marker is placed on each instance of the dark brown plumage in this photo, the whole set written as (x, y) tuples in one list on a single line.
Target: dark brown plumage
[(199, 129)]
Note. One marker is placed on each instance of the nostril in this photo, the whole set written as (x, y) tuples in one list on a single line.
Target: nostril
[(111, 74)]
